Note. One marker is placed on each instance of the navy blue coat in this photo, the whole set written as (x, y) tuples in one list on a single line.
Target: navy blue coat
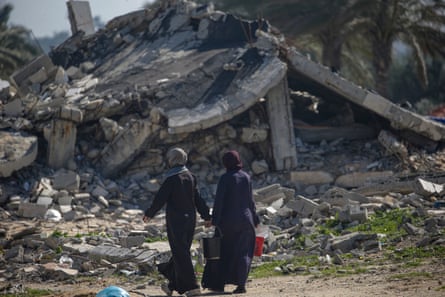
[(234, 213)]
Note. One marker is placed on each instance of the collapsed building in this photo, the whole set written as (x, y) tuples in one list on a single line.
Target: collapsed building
[(85, 128), (109, 104)]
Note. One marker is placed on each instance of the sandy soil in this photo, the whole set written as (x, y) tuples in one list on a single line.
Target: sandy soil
[(388, 281)]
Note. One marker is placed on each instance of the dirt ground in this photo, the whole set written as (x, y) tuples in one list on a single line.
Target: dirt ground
[(425, 280)]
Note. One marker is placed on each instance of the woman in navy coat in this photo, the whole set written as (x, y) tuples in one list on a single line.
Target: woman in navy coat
[(234, 213), (179, 192)]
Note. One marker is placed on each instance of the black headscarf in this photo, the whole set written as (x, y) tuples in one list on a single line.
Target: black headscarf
[(232, 161)]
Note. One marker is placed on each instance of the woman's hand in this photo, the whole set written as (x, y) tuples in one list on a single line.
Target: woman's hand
[(208, 224), (146, 219)]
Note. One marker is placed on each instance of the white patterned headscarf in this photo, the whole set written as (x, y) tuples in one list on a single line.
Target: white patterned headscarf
[(176, 156)]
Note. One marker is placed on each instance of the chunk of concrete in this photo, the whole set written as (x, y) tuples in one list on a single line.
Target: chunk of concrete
[(39, 64), (360, 179), (427, 188), (80, 16), (303, 206), (252, 135), (13, 108), (32, 210), (311, 177), (17, 150), (127, 145), (61, 143), (70, 113), (66, 180)]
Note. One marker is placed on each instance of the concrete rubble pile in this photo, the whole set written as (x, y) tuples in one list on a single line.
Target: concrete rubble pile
[(84, 131)]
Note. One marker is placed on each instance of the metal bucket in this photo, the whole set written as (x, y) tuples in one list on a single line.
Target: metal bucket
[(211, 247)]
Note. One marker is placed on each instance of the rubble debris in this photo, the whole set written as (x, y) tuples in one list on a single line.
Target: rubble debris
[(106, 107), (17, 150), (313, 74)]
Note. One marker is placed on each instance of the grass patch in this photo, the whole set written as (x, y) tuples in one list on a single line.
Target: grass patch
[(58, 234), (266, 269), (415, 254), (154, 239)]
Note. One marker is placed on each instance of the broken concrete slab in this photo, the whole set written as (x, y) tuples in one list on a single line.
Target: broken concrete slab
[(126, 146), (309, 177), (17, 150), (13, 108), (61, 143), (361, 179), (427, 188), (80, 16), (66, 180), (302, 206), (41, 64), (323, 78)]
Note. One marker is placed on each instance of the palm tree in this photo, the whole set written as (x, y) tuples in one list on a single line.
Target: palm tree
[(330, 23), (418, 24), (15, 47), (358, 25)]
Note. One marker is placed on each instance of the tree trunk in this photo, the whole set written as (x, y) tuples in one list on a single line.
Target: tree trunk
[(382, 36), (332, 47)]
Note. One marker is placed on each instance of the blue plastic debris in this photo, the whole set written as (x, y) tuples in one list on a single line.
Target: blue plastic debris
[(439, 204), (112, 291), (438, 119)]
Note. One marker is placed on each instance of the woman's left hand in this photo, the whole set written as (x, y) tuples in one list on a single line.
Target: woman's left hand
[(208, 224)]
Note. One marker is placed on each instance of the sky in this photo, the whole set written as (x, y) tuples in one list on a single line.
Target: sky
[(46, 17)]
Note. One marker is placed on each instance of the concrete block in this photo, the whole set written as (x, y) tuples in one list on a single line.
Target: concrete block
[(82, 196), (311, 177), (13, 108), (65, 200), (252, 135), (55, 272), (16, 151), (99, 191), (359, 179), (66, 180), (427, 188), (74, 72), (46, 201), (20, 77), (131, 241), (32, 210), (102, 200), (80, 16), (259, 167), (303, 206), (71, 113), (60, 76), (39, 76)]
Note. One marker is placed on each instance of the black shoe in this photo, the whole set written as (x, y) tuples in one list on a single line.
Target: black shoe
[(239, 290)]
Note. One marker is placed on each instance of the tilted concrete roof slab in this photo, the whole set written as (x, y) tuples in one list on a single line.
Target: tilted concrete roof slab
[(400, 118)]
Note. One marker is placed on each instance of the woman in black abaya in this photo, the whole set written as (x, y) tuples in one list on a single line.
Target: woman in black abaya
[(234, 214), (180, 194)]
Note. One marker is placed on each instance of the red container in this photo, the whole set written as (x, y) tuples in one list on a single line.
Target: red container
[(259, 242)]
